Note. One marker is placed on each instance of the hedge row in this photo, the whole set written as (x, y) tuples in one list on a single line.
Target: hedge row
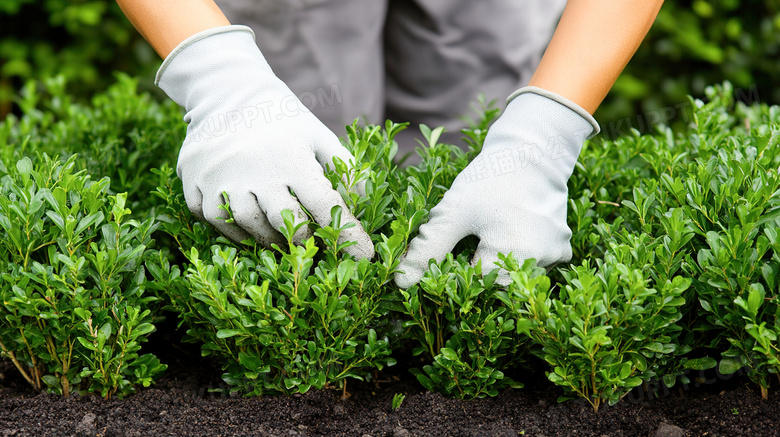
[(676, 260)]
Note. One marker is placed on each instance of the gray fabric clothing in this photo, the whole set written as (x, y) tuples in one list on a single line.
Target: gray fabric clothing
[(422, 61)]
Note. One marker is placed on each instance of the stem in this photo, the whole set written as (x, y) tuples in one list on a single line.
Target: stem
[(37, 374), (764, 393), (347, 368), (65, 385), (438, 333), (43, 245), (582, 394), (17, 364), (66, 369), (34, 369), (423, 322), (457, 384), (49, 343), (593, 378)]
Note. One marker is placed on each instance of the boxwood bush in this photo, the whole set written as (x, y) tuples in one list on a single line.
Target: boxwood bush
[(675, 264), (75, 308)]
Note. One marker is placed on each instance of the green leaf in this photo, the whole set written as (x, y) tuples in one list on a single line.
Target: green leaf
[(253, 363), (633, 382), (87, 344), (143, 329), (729, 365), (53, 382), (92, 220), (449, 354), (24, 166), (755, 297), (345, 271), (106, 330), (701, 363), (669, 380), (426, 382), (227, 333)]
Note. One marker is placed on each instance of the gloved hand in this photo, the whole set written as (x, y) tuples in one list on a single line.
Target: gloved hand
[(513, 196), (251, 137)]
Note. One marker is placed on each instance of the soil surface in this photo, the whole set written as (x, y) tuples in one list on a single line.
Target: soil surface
[(181, 405)]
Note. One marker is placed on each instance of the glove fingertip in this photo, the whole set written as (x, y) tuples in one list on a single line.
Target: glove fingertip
[(194, 200), (407, 277), (361, 251), (435, 240), (487, 253)]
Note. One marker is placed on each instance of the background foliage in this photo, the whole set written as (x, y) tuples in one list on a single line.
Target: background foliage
[(691, 45), (83, 40)]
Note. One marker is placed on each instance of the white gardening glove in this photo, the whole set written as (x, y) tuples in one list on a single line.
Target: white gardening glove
[(251, 137), (513, 195)]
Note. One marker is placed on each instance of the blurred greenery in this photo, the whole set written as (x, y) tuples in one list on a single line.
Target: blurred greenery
[(83, 40), (693, 43)]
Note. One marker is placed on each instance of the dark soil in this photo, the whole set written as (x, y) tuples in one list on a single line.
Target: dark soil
[(181, 405)]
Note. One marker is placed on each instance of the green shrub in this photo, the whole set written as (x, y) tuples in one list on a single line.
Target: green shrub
[(122, 134), (732, 199), (606, 331), (287, 319), (343, 302), (706, 209), (278, 323), (674, 237), (458, 321), (75, 308), (639, 240)]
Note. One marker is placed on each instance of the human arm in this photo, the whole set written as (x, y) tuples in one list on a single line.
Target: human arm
[(513, 196), (594, 41), (165, 24)]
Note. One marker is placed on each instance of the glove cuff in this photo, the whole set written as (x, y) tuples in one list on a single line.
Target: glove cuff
[(563, 101), (217, 71), (195, 38)]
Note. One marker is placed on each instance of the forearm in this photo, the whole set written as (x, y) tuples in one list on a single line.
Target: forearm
[(166, 23), (594, 41)]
